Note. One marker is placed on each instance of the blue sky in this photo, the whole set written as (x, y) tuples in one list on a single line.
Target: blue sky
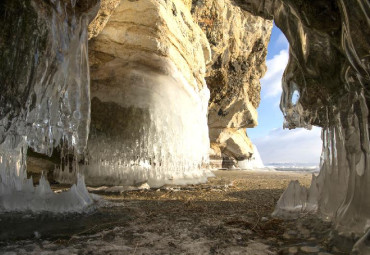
[(273, 142)]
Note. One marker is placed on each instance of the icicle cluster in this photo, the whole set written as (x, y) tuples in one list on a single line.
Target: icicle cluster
[(342, 189), (163, 139), (57, 106)]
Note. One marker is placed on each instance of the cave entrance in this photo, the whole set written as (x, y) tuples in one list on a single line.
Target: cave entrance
[(282, 149)]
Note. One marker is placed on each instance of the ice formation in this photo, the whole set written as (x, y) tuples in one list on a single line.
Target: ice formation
[(47, 103), (255, 162), (168, 146), (149, 98), (342, 189), (17, 193), (340, 192)]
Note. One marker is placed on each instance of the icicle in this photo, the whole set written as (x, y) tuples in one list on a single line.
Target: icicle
[(341, 191), (57, 105)]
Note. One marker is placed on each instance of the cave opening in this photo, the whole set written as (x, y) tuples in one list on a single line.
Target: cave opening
[(167, 129)]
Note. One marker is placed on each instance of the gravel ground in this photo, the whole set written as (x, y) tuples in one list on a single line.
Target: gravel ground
[(228, 215)]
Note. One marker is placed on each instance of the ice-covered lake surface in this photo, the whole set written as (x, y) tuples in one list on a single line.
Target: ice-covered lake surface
[(302, 167)]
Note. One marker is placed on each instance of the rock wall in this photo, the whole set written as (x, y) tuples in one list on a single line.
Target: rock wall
[(149, 96), (169, 42), (238, 42)]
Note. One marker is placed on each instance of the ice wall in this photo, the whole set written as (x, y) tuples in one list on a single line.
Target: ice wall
[(329, 69), (45, 100), (341, 190)]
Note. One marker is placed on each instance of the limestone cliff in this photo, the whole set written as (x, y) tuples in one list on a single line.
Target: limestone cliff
[(238, 42), (149, 95)]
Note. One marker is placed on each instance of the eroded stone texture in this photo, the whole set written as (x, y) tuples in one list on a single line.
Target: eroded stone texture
[(238, 42), (149, 96), (105, 11)]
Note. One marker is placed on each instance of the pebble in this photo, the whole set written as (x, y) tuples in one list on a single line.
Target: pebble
[(286, 236), (292, 232), (293, 250), (310, 249)]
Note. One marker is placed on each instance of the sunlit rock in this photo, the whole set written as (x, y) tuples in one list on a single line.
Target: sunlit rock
[(149, 97), (239, 46), (254, 162)]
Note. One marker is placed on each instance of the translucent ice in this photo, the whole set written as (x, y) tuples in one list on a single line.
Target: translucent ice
[(341, 191), (158, 137), (47, 100), (17, 193)]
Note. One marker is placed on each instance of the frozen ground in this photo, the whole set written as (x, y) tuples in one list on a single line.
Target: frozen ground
[(228, 215)]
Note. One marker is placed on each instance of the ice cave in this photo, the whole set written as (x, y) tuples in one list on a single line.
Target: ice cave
[(148, 97)]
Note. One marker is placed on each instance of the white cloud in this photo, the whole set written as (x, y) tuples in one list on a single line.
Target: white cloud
[(271, 82), (290, 146), (282, 40)]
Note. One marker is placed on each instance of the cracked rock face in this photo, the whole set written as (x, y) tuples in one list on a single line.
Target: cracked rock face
[(238, 42)]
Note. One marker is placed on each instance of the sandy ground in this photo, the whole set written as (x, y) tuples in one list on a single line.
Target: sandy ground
[(228, 215)]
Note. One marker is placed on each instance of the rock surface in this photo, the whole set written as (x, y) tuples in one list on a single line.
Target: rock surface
[(149, 96), (238, 42), (105, 11)]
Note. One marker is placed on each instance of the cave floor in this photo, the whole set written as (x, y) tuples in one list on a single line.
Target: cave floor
[(228, 215)]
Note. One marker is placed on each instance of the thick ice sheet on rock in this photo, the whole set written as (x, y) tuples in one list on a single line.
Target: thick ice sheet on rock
[(49, 99), (164, 139)]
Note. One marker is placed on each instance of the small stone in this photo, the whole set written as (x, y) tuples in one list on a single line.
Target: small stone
[(310, 249), (335, 249), (264, 219), (293, 250), (144, 186), (305, 233), (286, 236), (292, 232)]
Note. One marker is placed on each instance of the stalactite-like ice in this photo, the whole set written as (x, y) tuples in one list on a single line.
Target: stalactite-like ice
[(149, 98), (164, 139), (342, 189), (47, 99)]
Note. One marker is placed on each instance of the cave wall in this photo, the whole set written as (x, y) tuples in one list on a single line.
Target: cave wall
[(45, 97)]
